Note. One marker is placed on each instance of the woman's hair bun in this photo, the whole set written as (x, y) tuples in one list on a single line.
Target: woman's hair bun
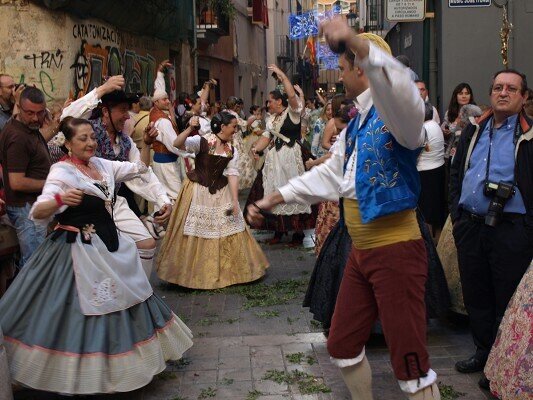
[(222, 118)]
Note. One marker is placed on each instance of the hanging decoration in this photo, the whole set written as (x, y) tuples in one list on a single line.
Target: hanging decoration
[(307, 24), (329, 63), (505, 33), (323, 50), (303, 25)]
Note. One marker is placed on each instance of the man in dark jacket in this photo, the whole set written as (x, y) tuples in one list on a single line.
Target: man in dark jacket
[(491, 205)]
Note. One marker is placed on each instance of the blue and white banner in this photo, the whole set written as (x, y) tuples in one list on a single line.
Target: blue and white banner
[(307, 24)]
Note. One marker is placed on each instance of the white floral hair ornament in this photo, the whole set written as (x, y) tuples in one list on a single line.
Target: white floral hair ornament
[(59, 139)]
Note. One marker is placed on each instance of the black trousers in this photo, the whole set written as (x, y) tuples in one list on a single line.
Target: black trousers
[(492, 261)]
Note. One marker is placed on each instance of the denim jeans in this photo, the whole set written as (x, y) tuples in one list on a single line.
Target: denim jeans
[(30, 235)]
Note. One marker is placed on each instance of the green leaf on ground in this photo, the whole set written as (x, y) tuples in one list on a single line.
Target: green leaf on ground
[(267, 314), (310, 360), (307, 383), (447, 392), (207, 393), (212, 320), (165, 376), (291, 320), (298, 358), (315, 324), (261, 294), (227, 381), (181, 363), (254, 395), (295, 358)]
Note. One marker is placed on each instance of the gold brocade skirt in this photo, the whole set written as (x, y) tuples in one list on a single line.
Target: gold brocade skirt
[(200, 263), (448, 257)]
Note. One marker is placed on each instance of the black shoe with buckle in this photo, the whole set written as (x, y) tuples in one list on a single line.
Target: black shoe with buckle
[(473, 364)]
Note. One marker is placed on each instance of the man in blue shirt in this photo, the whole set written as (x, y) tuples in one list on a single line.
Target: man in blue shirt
[(491, 205)]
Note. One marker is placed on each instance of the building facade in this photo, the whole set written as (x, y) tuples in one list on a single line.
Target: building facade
[(66, 56), (463, 44), (232, 50)]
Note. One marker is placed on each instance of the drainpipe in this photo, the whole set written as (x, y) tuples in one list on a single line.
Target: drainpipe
[(432, 61), (194, 49)]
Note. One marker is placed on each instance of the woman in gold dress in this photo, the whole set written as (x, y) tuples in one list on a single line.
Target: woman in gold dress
[(207, 244)]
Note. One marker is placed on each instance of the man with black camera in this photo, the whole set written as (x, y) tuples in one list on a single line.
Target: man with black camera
[(491, 205)]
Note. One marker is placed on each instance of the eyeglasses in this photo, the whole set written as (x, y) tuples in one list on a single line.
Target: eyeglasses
[(500, 88), (39, 114)]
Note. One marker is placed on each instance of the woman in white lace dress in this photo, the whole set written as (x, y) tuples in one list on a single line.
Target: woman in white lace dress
[(284, 160)]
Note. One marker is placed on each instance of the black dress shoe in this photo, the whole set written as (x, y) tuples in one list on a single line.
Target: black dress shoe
[(473, 364), (484, 383)]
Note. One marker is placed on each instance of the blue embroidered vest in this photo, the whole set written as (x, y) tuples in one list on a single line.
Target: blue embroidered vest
[(386, 180)]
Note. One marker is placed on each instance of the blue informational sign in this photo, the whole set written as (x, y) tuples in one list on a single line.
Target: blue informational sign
[(469, 3)]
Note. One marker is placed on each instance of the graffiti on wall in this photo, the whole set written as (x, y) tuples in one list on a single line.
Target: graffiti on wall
[(41, 71), (93, 63), (46, 59)]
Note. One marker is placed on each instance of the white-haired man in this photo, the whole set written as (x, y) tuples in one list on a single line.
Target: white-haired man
[(166, 163)]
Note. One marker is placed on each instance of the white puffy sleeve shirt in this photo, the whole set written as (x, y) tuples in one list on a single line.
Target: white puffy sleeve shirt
[(398, 103)]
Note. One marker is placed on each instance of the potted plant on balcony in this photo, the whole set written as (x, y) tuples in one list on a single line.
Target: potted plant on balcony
[(226, 7)]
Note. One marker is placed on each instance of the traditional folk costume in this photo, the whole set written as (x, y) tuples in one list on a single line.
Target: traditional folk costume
[(373, 167), (447, 252), (123, 149), (324, 284), (250, 140), (206, 245), (510, 364), (167, 164), (328, 211), (81, 317), (5, 388), (283, 162), (247, 172)]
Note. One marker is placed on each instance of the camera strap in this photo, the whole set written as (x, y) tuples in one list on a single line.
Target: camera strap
[(491, 134)]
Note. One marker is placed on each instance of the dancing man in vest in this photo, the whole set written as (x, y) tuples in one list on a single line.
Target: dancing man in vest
[(373, 168), (166, 164), (113, 145)]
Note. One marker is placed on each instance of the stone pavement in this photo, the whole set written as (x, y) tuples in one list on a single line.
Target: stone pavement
[(245, 351)]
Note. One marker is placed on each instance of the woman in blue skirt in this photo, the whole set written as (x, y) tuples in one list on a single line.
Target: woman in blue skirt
[(81, 317)]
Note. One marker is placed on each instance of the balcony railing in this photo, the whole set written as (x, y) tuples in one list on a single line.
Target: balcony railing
[(285, 48), (375, 16), (210, 20)]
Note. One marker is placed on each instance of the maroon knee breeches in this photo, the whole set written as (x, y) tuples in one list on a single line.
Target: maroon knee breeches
[(386, 282)]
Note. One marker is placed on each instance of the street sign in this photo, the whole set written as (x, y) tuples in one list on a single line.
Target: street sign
[(469, 3), (405, 10)]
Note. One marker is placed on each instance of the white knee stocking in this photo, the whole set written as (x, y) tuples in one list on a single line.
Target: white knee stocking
[(358, 379), (147, 260)]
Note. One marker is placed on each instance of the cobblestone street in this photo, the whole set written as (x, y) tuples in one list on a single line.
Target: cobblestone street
[(245, 350)]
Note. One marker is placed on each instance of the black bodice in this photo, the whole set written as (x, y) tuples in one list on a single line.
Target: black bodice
[(291, 130), (91, 211)]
